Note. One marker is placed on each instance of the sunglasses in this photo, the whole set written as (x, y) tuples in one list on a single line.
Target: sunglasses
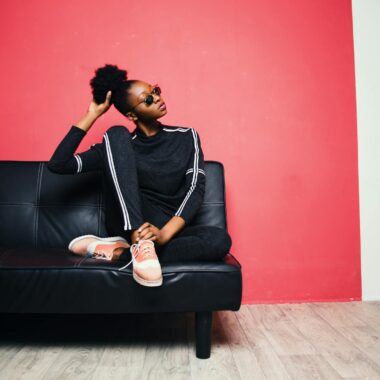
[(149, 99)]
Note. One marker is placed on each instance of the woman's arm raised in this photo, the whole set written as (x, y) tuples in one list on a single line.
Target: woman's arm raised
[(195, 182), (64, 161)]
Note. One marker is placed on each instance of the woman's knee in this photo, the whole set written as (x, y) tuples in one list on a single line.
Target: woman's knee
[(219, 242)]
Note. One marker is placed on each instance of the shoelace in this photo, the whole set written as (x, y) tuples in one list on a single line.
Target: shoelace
[(101, 254), (144, 250), (97, 254)]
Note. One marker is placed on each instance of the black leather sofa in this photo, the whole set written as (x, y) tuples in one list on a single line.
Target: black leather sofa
[(40, 212)]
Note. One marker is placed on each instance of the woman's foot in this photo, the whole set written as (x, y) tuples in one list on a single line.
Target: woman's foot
[(106, 250), (80, 244), (146, 266)]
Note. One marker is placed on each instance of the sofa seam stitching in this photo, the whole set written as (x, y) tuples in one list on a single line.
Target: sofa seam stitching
[(38, 195)]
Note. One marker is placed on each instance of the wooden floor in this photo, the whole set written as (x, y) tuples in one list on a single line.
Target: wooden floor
[(281, 341)]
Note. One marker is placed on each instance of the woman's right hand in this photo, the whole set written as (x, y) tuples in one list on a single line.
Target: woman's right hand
[(99, 109)]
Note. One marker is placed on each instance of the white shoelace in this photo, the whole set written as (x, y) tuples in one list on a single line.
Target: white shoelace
[(100, 254), (146, 250)]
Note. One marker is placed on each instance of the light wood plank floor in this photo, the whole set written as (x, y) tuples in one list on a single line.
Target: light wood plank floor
[(278, 341)]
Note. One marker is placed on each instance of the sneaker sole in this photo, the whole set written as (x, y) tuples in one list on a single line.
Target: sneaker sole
[(111, 239), (141, 281)]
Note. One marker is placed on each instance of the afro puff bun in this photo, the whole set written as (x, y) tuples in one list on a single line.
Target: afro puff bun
[(108, 77)]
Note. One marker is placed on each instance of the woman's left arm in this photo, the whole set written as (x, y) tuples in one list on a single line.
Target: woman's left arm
[(196, 184), (174, 225), (163, 235)]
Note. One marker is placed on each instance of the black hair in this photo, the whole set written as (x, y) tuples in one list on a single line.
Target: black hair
[(110, 77)]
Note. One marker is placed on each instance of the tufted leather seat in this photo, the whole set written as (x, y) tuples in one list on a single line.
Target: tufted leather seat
[(40, 212)]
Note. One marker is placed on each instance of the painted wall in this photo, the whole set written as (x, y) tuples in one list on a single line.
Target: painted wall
[(269, 86), (366, 16)]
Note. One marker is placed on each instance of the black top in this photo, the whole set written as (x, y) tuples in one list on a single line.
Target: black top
[(170, 165)]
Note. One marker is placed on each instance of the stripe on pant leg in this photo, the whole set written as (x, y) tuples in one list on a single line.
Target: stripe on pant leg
[(127, 222)]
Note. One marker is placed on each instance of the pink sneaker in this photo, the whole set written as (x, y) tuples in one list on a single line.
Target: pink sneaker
[(106, 250), (146, 266), (81, 245)]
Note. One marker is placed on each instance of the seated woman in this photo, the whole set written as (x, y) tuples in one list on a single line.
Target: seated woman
[(154, 180)]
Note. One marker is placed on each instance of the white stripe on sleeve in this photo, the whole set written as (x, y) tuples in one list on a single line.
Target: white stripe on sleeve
[(195, 174)]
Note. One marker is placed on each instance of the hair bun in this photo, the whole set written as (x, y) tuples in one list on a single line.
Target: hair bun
[(108, 77)]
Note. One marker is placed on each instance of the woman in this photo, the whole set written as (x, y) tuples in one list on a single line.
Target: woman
[(154, 179)]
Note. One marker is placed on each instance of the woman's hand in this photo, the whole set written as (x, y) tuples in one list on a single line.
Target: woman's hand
[(99, 109), (150, 232)]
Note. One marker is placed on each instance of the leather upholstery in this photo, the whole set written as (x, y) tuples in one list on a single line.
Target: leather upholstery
[(41, 212)]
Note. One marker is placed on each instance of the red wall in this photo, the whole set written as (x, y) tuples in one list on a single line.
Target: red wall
[(269, 85)]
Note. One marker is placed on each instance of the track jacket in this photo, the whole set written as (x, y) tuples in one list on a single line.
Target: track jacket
[(170, 165)]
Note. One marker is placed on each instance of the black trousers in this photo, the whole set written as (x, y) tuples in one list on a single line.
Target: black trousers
[(201, 242)]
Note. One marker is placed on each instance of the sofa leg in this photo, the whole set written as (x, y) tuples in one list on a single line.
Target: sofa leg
[(203, 330)]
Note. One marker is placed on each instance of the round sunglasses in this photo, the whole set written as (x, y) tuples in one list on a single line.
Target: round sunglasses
[(149, 98)]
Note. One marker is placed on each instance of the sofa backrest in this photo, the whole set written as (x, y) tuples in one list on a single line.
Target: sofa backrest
[(39, 208)]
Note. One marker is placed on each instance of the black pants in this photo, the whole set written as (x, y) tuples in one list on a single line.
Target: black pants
[(201, 242)]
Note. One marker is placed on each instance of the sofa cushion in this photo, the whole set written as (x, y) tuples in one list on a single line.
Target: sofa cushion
[(53, 280)]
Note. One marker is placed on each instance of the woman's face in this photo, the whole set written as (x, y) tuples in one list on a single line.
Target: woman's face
[(136, 95)]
